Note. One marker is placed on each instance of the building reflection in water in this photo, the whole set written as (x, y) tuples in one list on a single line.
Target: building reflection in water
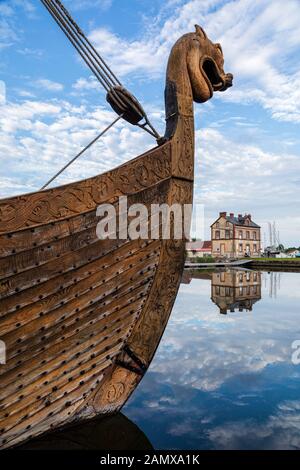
[(235, 290)]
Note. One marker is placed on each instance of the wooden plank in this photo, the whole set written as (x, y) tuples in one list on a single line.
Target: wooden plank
[(72, 297)]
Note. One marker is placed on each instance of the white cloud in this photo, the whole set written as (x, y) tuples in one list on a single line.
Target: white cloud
[(6, 10), (9, 32), (279, 431), (230, 175), (37, 138), (251, 33), (140, 56), (15, 117), (245, 178), (86, 84), (30, 52), (251, 346), (236, 176), (48, 85), (2, 92)]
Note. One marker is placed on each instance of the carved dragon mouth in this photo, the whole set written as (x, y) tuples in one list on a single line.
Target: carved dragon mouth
[(212, 75)]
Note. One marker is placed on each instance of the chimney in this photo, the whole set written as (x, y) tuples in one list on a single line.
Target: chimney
[(231, 215), (240, 216), (223, 214), (249, 216)]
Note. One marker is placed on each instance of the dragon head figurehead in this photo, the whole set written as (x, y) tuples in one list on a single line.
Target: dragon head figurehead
[(205, 66), (202, 64)]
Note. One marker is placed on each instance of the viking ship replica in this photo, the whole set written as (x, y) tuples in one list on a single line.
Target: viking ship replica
[(80, 317)]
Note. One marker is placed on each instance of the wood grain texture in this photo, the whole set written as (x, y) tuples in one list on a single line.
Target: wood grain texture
[(82, 317)]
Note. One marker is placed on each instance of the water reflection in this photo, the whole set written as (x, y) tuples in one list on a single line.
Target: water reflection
[(236, 289), (111, 433), (225, 381), (231, 290), (217, 381)]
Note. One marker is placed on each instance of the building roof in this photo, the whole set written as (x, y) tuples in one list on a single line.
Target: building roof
[(240, 220), (199, 246)]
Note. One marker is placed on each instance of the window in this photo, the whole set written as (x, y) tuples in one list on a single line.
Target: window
[(227, 234), (248, 276), (241, 247), (217, 225), (241, 277), (255, 277), (240, 234), (254, 289), (241, 291), (217, 290), (255, 248), (248, 235), (254, 235), (218, 234)]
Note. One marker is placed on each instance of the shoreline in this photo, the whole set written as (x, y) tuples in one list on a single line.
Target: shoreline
[(290, 265)]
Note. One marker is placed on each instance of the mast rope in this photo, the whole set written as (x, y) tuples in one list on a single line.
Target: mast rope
[(118, 97), (81, 152)]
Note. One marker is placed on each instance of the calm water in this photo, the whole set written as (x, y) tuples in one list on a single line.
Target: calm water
[(225, 380)]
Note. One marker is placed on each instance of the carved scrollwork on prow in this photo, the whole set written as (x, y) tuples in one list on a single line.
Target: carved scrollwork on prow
[(114, 391), (18, 213)]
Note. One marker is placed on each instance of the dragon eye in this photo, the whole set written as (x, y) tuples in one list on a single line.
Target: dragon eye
[(219, 47)]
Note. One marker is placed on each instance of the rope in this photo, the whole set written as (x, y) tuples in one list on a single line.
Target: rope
[(82, 45), (93, 60), (123, 102), (81, 152)]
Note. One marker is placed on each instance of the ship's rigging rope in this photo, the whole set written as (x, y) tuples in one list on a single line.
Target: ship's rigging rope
[(120, 99), (81, 152)]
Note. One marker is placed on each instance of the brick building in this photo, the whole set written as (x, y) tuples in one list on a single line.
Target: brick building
[(235, 237)]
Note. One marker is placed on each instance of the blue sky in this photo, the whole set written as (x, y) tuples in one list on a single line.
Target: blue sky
[(248, 144)]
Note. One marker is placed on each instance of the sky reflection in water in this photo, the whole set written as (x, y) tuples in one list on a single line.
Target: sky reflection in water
[(225, 381)]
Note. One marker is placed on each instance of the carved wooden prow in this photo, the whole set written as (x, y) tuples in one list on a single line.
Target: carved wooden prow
[(195, 71)]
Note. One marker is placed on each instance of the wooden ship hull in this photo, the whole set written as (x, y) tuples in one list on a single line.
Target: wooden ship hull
[(80, 317)]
